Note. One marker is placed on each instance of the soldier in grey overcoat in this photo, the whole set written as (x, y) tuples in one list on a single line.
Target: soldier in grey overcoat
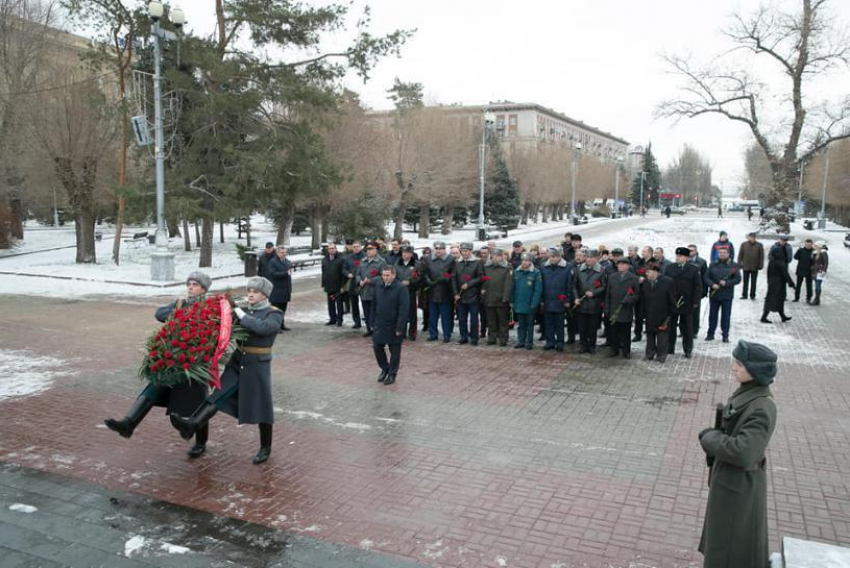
[(179, 400), (590, 284), (735, 531), (246, 385), (467, 282)]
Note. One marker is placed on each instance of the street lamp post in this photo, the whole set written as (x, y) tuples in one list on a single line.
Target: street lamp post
[(822, 216), (487, 121), (162, 261), (800, 186), (617, 170), (576, 156), (642, 182)]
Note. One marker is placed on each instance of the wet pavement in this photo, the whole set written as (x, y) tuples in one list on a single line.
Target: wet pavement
[(477, 457)]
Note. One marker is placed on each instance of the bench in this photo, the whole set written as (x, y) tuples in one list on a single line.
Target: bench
[(301, 264), (137, 238)]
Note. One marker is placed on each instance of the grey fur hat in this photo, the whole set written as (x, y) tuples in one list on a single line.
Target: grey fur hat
[(203, 279), (466, 246), (759, 361), (260, 284), (554, 251)]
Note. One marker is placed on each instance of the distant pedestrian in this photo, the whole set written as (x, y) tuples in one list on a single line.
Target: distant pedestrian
[(667, 211), (751, 260), (749, 212), (820, 264), (735, 531), (777, 281), (390, 308), (721, 278), (280, 274), (720, 211), (803, 256)]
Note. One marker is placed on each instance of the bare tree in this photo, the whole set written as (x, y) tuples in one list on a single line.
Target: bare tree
[(25, 29), (804, 46), (74, 126)]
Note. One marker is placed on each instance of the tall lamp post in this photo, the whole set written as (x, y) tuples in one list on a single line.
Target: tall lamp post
[(642, 183), (576, 156), (162, 261), (488, 120), (822, 216), (617, 171)]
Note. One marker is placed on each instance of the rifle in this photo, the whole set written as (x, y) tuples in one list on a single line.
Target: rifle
[(718, 424)]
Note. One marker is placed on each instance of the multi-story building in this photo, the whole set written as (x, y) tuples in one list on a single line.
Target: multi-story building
[(531, 123)]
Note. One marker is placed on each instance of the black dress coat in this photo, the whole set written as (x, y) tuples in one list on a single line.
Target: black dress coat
[(246, 384), (689, 285), (332, 278), (777, 281), (657, 302), (389, 313), (184, 399), (278, 273)]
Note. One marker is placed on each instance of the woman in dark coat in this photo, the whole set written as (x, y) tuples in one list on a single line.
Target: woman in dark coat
[(246, 384), (279, 272), (777, 279), (179, 400), (735, 531)]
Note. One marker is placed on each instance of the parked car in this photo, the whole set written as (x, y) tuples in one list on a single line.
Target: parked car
[(847, 240)]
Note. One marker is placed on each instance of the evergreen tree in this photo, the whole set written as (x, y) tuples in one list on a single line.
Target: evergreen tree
[(501, 200), (652, 180)]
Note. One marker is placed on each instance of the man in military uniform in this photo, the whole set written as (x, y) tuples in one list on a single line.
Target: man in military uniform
[(352, 288), (621, 295), (390, 308), (437, 272), (735, 530), (590, 285), (466, 283), (177, 400), (368, 275), (246, 385), (688, 285)]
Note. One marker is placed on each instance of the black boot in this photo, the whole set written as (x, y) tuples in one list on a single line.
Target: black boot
[(784, 317), (201, 437), (265, 444), (135, 415), (189, 426), (816, 301)]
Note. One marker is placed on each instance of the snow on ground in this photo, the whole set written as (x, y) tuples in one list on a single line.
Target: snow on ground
[(49, 268), (21, 508), (23, 373)]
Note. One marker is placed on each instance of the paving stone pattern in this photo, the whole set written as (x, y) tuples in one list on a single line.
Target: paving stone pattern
[(477, 457)]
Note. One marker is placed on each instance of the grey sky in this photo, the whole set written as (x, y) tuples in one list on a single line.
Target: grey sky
[(594, 60)]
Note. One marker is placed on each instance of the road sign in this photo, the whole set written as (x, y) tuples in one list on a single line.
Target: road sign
[(140, 130)]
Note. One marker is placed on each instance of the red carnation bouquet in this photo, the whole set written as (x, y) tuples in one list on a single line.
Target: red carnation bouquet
[(562, 297), (189, 346), (467, 277), (597, 284), (447, 274), (641, 271), (485, 278), (374, 272)]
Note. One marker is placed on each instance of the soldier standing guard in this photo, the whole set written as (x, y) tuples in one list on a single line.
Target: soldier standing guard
[(735, 529), (180, 400), (467, 285), (246, 384), (686, 279)]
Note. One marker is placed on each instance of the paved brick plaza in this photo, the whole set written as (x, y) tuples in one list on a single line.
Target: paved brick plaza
[(476, 457)]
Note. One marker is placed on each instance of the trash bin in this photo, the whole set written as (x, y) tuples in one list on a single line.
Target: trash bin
[(821, 223), (251, 264), (151, 239)]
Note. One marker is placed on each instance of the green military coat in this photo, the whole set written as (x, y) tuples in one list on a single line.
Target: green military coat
[(735, 530)]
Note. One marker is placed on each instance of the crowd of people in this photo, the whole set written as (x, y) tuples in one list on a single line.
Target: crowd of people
[(570, 293)]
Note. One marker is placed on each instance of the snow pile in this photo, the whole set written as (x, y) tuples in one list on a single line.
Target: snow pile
[(22, 373), (21, 508)]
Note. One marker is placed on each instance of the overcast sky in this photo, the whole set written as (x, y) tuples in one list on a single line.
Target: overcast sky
[(594, 60)]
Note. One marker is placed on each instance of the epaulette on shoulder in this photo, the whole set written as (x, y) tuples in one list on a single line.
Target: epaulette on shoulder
[(274, 308)]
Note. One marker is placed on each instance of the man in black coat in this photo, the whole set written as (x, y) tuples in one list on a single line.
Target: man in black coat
[(686, 278), (389, 318), (332, 284), (700, 263), (803, 256), (263, 262), (280, 274), (408, 274), (393, 256), (658, 302), (437, 272), (352, 286)]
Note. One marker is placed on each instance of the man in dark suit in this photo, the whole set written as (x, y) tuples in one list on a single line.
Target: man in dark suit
[(389, 319), (332, 284), (688, 285)]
